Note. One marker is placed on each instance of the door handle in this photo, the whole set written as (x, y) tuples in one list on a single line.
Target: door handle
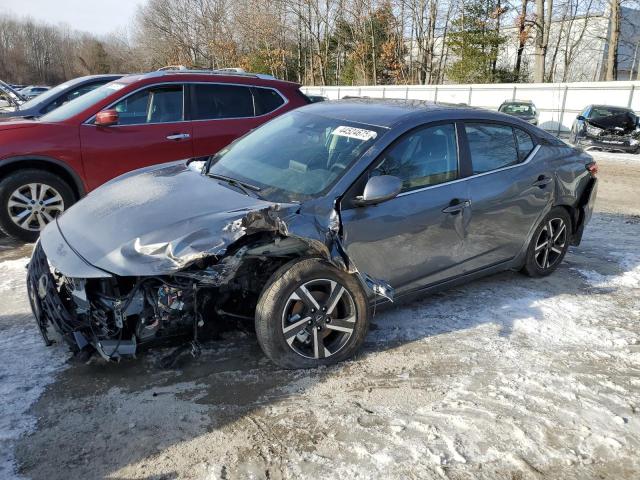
[(456, 207), (178, 136), (542, 181)]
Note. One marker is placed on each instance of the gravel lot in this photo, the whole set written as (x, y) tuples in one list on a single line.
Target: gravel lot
[(503, 378)]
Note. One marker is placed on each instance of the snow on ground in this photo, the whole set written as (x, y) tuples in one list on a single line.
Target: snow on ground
[(506, 372), (27, 367), (506, 377), (615, 157)]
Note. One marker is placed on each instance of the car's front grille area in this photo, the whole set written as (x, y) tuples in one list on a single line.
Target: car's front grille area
[(46, 302)]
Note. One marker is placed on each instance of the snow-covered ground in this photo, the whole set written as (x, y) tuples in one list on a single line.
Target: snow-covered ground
[(26, 367), (507, 377), (504, 378), (615, 157)]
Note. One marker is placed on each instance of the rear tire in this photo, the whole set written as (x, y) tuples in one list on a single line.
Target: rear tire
[(549, 244), (29, 200), (296, 331)]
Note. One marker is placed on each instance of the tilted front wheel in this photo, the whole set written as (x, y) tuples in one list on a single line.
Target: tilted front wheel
[(311, 314), (549, 244)]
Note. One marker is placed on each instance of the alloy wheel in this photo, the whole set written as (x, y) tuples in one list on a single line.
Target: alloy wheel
[(34, 205), (318, 318), (550, 243)]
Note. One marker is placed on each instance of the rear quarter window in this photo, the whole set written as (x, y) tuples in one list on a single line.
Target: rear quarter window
[(266, 100)]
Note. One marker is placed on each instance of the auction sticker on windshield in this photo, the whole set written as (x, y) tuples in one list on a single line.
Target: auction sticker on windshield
[(357, 133)]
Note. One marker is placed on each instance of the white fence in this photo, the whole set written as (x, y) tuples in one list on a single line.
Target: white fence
[(558, 103)]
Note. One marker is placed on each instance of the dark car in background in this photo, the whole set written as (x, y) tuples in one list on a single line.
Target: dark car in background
[(605, 127), (306, 223), (139, 120), (316, 98), (523, 109), (33, 91), (57, 96)]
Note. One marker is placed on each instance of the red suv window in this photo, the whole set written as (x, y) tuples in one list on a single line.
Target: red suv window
[(215, 101)]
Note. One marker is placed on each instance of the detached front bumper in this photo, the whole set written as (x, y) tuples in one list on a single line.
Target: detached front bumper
[(610, 143), (47, 305), (57, 313)]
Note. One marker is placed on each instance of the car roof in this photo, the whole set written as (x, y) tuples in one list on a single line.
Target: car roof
[(209, 76), (88, 78), (517, 102), (387, 113)]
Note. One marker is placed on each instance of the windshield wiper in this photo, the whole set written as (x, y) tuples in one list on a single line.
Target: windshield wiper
[(247, 188)]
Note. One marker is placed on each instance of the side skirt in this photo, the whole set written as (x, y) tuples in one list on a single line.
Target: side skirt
[(418, 293)]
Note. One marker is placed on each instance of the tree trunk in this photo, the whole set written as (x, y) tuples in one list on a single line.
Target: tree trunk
[(614, 35), (541, 50), (522, 40)]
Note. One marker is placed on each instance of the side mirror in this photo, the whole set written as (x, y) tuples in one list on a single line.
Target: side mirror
[(379, 189), (581, 118), (106, 118)]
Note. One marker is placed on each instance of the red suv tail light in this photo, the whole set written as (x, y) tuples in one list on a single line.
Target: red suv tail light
[(593, 168)]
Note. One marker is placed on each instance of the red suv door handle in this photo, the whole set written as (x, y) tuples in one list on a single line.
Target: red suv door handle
[(178, 136)]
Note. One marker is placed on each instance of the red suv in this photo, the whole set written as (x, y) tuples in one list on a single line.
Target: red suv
[(138, 120)]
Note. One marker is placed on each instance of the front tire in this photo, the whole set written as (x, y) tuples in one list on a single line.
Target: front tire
[(29, 200), (311, 314), (549, 244)]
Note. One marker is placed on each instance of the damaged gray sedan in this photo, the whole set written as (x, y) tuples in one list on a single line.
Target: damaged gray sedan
[(303, 225)]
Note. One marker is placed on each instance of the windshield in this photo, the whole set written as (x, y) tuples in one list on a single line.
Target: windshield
[(81, 103), (523, 109), (295, 157), (603, 112)]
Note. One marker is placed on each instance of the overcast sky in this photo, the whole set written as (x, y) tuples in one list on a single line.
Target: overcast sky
[(96, 16)]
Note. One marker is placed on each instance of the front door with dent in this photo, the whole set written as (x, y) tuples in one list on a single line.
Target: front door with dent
[(151, 129), (417, 237)]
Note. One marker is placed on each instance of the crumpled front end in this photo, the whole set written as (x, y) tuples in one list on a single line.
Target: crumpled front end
[(616, 135), (189, 286), (112, 316)]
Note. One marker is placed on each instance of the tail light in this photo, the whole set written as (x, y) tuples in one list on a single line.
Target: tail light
[(592, 168)]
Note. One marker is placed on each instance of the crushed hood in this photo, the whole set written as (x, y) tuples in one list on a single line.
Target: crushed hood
[(161, 219), (623, 123)]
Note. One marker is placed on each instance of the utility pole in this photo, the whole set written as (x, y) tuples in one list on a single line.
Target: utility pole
[(541, 48)]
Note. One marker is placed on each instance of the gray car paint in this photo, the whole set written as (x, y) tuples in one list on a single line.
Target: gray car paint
[(164, 218)]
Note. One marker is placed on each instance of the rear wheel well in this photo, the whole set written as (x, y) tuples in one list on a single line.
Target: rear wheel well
[(47, 166), (574, 214)]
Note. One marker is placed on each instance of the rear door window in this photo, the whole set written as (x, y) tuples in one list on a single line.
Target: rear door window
[(162, 104), (492, 146), (218, 101), (266, 100)]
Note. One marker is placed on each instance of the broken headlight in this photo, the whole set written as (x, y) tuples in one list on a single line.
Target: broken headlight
[(594, 131)]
